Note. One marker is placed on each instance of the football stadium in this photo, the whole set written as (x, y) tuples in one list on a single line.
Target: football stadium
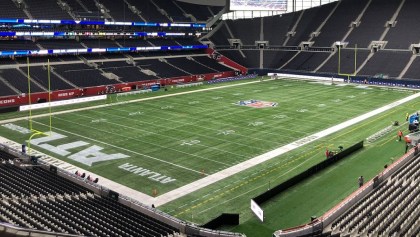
[(198, 118)]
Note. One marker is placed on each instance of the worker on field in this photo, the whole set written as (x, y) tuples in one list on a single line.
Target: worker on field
[(361, 181), (399, 134), (406, 117)]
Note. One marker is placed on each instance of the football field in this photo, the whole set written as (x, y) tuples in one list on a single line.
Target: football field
[(161, 144)]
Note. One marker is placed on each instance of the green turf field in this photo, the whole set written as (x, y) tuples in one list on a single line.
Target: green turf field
[(186, 137)]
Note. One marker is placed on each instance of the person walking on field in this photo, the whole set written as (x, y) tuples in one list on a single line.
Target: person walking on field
[(399, 134)]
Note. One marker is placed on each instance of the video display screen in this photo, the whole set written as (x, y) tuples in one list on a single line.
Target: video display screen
[(258, 5)]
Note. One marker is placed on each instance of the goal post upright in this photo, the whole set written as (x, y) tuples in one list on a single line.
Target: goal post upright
[(33, 131), (355, 60), (29, 94), (49, 94), (339, 59), (348, 75)]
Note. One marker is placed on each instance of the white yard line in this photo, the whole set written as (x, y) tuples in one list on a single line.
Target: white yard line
[(196, 185), (121, 148), (139, 140), (131, 101)]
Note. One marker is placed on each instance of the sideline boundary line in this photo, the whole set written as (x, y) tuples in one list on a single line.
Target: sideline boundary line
[(213, 178)]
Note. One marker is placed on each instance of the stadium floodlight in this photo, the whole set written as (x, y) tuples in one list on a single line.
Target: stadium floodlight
[(33, 131)]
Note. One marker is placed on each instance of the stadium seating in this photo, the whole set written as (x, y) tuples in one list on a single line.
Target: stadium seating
[(99, 43), (119, 10), (125, 72), (250, 58), (163, 42), (60, 44), (17, 45), (248, 36), (19, 80), (346, 61), (5, 156), (191, 66), (200, 12), (205, 60), (187, 41), (38, 9), (372, 23), (221, 36), (172, 10), (276, 59), (43, 60), (414, 71), (386, 63), (79, 10), (82, 75), (238, 57), (86, 9), (8, 9), (96, 56), (391, 209), (339, 23), (5, 89), (149, 11), (276, 28), (40, 74), (162, 69), (404, 34), (6, 61), (307, 61), (134, 42), (39, 199), (309, 23), (370, 27)]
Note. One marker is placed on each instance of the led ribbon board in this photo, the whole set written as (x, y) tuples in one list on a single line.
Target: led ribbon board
[(110, 23), (96, 50)]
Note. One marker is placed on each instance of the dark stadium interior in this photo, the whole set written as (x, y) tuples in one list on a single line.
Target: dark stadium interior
[(384, 36)]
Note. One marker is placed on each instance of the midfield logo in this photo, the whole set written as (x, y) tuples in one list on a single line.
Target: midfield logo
[(256, 103)]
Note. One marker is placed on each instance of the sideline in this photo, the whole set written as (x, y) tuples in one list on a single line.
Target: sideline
[(213, 178)]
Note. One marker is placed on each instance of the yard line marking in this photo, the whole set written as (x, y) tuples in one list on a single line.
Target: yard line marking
[(262, 185), (183, 205), (132, 138), (121, 148), (202, 127), (160, 134), (196, 185), (131, 101)]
